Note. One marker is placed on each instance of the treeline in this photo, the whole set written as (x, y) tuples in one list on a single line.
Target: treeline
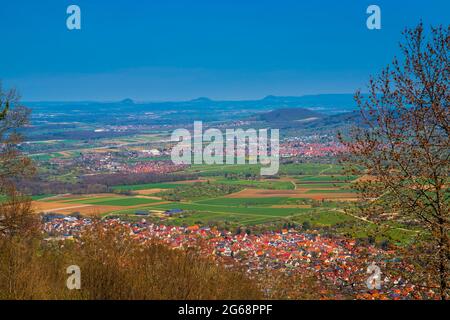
[(199, 190), (79, 135), (100, 183), (116, 179), (114, 265)]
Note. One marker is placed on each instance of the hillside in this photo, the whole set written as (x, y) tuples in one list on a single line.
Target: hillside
[(302, 121), (290, 114)]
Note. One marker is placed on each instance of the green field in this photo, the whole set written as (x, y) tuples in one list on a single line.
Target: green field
[(231, 207), (326, 178), (311, 169), (285, 169), (207, 203), (46, 156), (246, 202), (330, 191), (41, 197), (241, 212), (259, 184), (220, 170), (323, 185), (35, 198), (258, 211), (203, 213), (114, 201)]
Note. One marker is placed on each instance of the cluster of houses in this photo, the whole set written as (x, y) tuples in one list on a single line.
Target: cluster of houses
[(303, 149), (157, 167), (340, 262), (118, 161)]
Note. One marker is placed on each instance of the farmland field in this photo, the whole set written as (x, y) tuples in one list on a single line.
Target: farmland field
[(313, 185), (251, 201), (206, 213), (220, 170), (246, 201), (326, 178), (320, 191), (115, 201), (262, 184), (315, 201), (46, 157)]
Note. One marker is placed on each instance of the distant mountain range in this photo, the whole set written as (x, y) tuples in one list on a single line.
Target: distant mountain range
[(305, 119), (325, 103), (311, 114)]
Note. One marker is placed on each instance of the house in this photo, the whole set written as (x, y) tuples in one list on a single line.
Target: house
[(51, 216), (193, 228)]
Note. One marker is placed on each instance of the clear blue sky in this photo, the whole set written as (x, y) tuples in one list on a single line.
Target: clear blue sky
[(182, 49)]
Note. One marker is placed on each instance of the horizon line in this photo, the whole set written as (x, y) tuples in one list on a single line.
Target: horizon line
[(137, 101)]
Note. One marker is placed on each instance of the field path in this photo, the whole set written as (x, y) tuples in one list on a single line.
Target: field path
[(371, 222), (294, 184), (326, 169)]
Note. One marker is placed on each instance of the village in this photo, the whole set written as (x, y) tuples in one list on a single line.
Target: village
[(337, 261), (145, 159)]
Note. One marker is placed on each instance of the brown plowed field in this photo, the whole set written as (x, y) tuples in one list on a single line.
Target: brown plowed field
[(299, 193)]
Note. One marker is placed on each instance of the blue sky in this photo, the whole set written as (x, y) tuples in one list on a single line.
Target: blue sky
[(182, 49)]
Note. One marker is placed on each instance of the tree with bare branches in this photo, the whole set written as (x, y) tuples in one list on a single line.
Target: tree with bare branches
[(15, 212), (403, 150)]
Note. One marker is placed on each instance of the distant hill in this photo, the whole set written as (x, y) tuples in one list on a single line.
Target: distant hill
[(127, 101), (201, 99), (298, 121), (353, 118), (290, 114), (324, 103)]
